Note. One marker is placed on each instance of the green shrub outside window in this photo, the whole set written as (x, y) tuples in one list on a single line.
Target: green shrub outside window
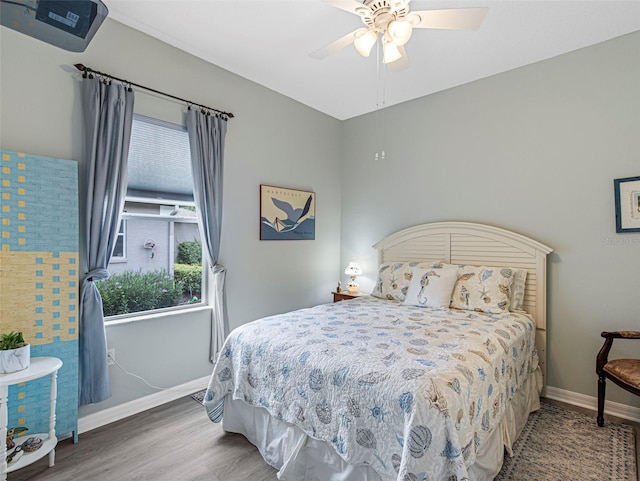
[(189, 252), (190, 278), (135, 291)]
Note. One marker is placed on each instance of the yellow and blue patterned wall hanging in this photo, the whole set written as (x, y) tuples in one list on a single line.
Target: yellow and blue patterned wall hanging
[(39, 281)]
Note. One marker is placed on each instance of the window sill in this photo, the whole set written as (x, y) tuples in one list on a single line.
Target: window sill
[(148, 316)]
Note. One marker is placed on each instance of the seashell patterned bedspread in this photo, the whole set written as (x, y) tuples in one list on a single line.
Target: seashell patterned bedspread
[(410, 391)]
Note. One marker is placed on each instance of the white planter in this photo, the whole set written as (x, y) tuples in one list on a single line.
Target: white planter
[(14, 360)]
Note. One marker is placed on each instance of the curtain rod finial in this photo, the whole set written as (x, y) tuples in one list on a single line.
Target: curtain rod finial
[(80, 67)]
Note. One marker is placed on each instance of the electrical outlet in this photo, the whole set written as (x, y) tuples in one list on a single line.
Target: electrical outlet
[(111, 357)]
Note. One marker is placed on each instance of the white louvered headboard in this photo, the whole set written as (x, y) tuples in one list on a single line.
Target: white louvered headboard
[(478, 244)]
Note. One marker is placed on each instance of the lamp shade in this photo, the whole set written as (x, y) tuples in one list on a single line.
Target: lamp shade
[(365, 42), (400, 31), (353, 270), (391, 53)]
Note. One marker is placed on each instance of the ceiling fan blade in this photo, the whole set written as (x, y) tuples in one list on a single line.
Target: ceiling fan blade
[(449, 18), (351, 6), (400, 64), (336, 45)]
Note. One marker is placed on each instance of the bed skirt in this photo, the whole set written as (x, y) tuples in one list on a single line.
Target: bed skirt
[(299, 457)]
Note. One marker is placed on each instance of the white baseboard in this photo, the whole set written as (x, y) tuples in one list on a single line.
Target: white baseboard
[(613, 408), (121, 411)]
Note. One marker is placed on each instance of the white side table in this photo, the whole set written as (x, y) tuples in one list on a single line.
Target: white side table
[(40, 367)]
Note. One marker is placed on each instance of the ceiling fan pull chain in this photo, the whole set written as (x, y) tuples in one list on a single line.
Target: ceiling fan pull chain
[(384, 105), (380, 103), (378, 64)]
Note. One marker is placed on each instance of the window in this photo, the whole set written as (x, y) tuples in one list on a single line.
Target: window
[(120, 249), (157, 259)]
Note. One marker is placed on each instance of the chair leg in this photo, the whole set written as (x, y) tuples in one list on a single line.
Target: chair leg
[(601, 391)]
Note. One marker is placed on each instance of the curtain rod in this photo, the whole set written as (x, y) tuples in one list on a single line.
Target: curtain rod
[(88, 70)]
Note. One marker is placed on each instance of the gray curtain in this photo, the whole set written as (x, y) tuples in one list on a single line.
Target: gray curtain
[(108, 114), (206, 139)]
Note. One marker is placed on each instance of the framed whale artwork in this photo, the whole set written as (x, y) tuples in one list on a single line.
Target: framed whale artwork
[(287, 214)]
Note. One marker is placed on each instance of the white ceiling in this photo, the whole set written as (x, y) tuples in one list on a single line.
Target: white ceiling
[(269, 41)]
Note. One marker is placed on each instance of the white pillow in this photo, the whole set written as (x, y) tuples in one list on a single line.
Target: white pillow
[(431, 287)]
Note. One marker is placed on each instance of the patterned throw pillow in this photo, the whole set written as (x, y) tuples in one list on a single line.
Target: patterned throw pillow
[(394, 278), (516, 299), (431, 287), (517, 290), (486, 289)]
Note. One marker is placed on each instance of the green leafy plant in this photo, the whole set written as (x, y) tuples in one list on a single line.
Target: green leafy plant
[(190, 278), (11, 340), (135, 291), (189, 252)]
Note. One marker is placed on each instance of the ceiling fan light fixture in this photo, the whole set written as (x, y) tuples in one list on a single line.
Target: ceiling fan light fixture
[(400, 31), (365, 42), (390, 52)]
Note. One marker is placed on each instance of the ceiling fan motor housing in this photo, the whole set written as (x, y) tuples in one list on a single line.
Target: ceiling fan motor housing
[(377, 14)]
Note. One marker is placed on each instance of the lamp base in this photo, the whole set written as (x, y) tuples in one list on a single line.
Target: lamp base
[(352, 287)]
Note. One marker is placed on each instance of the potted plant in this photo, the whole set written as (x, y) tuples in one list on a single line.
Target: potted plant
[(15, 353)]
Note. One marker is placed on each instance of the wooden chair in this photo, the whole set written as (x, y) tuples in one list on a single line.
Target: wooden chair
[(624, 372)]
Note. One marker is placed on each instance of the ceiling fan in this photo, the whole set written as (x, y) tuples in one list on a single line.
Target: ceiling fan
[(392, 22)]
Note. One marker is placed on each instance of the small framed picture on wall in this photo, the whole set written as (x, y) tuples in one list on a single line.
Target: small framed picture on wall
[(627, 199)]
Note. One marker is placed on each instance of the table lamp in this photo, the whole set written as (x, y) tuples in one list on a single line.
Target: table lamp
[(353, 270)]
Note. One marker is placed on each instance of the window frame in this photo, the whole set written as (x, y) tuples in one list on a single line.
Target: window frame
[(204, 303), (122, 232)]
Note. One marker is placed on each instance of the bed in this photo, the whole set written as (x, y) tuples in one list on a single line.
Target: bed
[(397, 385)]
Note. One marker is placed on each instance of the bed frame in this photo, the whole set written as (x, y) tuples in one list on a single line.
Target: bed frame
[(478, 244)]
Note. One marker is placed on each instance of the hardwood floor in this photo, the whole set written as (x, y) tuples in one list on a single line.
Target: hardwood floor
[(173, 442)]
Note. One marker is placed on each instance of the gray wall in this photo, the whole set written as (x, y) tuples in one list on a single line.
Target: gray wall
[(273, 140), (534, 150), (137, 233)]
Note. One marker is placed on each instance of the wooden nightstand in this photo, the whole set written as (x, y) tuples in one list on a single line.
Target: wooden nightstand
[(344, 295)]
